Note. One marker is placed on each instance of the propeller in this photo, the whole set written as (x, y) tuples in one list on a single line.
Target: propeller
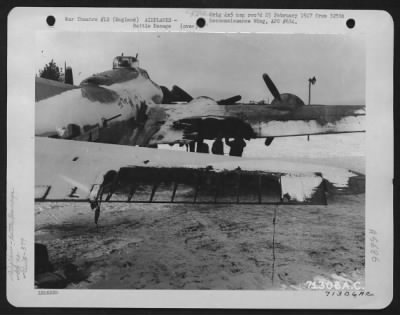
[(167, 96), (285, 101), (230, 100), (176, 94), (271, 86), (181, 94)]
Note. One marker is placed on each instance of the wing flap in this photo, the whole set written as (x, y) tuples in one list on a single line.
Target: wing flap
[(67, 170), (78, 171)]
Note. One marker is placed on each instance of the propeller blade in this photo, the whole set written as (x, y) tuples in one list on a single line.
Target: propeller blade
[(268, 140), (167, 95), (180, 94), (230, 100), (271, 87)]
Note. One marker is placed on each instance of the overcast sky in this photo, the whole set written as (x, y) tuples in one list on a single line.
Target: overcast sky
[(220, 65)]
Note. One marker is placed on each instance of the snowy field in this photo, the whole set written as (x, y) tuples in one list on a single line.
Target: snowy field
[(152, 246)]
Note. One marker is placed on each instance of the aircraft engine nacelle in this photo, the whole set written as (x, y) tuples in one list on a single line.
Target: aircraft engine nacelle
[(288, 101), (285, 100)]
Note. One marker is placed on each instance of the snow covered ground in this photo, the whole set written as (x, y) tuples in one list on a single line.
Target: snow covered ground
[(220, 247), (149, 246)]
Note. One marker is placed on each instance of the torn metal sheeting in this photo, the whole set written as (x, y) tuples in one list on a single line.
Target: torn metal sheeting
[(138, 184), (133, 174)]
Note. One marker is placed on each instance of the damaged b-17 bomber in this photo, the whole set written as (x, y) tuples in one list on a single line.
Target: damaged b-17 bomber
[(124, 106)]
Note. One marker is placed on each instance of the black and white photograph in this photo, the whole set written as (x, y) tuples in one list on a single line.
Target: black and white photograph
[(199, 158), (199, 161)]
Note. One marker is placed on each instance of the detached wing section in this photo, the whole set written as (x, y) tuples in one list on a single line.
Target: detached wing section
[(80, 171), (206, 186)]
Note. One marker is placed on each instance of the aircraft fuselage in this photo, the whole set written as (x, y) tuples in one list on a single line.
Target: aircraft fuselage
[(124, 106)]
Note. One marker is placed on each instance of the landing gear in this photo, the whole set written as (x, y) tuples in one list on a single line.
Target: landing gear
[(95, 205), (110, 181), (268, 140)]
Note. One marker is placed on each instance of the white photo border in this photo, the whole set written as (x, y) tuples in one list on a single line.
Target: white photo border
[(377, 29)]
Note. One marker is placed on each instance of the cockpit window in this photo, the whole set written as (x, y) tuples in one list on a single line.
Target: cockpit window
[(125, 62)]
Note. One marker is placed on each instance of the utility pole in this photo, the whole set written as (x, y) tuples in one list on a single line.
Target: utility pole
[(310, 81)]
